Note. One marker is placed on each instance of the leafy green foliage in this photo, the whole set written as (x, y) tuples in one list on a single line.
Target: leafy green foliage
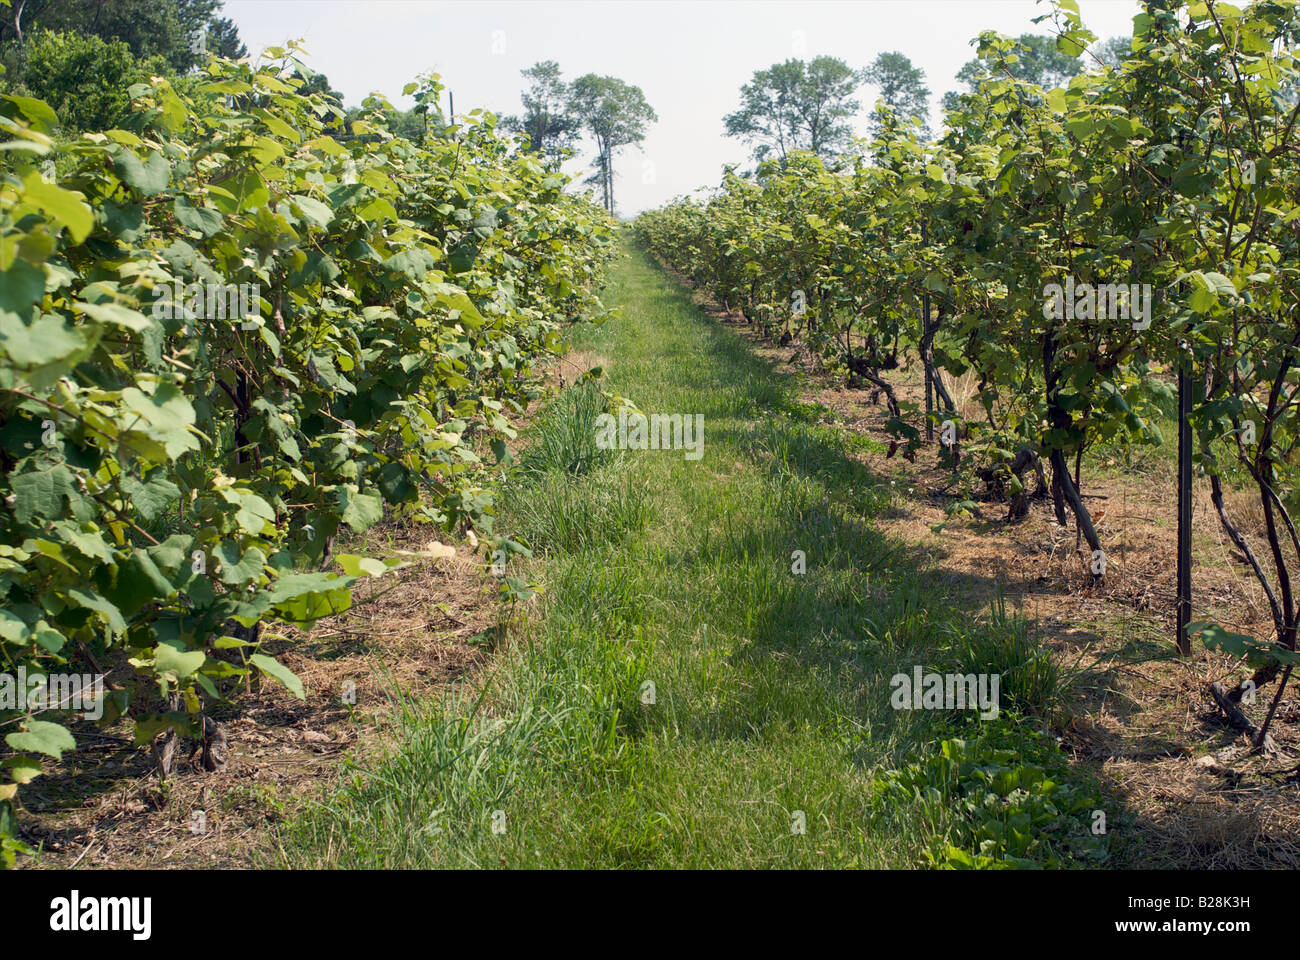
[(902, 88), (1174, 169), (1248, 648), (616, 114), (227, 337), (1039, 60), (547, 121), (1004, 799), (83, 78), (165, 29)]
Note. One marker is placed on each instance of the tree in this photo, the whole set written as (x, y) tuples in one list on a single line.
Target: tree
[(1040, 62), (902, 89), (220, 36), (318, 83), (85, 79), (615, 114), (550, 129), (171, 29), (796, 106), (223, 39)]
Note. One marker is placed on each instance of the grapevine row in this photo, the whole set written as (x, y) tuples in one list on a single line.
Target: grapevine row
[(230, 332), (1071, 249)]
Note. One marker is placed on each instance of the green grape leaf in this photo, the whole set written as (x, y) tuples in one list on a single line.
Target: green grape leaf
[(274, 668), (42, 736)]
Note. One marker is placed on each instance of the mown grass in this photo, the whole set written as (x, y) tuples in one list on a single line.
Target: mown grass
[(678, 696)]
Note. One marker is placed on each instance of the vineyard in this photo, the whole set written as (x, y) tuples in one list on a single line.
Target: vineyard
[(1076, 252), (176, 471), (916, 498)]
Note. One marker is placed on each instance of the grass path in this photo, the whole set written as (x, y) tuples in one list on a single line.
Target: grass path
[(771, 697)]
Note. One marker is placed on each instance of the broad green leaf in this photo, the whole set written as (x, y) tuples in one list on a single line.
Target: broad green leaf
[(275, 669), (39, 113), (22, 769), (361, 510), (358, 566), (153, 496), (138, 582), (116, 315), (318, 214), (237, 568), (42, 736), (147, 177), (64, 206), (89, 601), (42, 492), (302, 598), (176, 661), (254, 513), (13, 627), (205, 220), (168, 415), (48, 348), (21, 287)]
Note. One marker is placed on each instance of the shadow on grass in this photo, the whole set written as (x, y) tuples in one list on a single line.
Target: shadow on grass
[(867, 606)]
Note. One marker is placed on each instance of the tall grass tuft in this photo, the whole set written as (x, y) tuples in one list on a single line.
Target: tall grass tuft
[(1003, 644), (564, 441)]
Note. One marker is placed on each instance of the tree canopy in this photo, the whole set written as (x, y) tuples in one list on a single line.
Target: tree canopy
[(1039, 62), (796, 106), (181, 32), (902, 89), (85, 79), (616, 114), (547, 120)]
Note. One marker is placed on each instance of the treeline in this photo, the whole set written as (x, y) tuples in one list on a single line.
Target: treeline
[(179, 33), (1071, 249), (557, 113), (82, 56), (228, 337), (810, 105)]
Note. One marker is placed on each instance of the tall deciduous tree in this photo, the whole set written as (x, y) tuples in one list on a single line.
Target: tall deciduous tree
[(796, 106), (1039, 61), (170, 29), (902, 89), (198, 18), (616, 114), (85, 79), (550, 127)]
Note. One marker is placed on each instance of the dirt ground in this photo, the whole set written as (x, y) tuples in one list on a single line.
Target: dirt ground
[(1194, 794), (418, 631), (107, 807)]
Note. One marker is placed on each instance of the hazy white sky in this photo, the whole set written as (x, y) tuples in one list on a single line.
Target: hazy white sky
[(689, 56)]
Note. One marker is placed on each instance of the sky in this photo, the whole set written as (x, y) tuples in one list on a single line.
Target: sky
[(690, 57)]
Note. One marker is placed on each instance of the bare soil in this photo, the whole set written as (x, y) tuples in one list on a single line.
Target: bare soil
[(107, 806)]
